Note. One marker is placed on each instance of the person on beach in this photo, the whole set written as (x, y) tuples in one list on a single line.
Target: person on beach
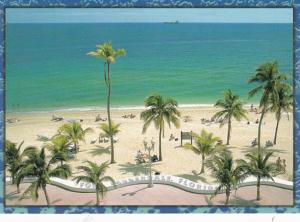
[(278, 162), (284, 165), (251, 108)]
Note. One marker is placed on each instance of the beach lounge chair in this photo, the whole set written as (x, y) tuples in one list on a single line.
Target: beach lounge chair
[(93, 141), (171, 137), (254, 142), (116, 139), (71, 120), (269, 143), (42, 138), (154, 158), (13, 120), (98, 118), (71, 151), (187, 119), (56, 118)]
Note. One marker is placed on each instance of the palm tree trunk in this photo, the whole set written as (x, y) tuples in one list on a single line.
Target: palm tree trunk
[(229, 129), (259, 128), (13, 177), (227, 196), (159, 144), (258, 188), (98, 200), (276, 130), (112, 160), (46, 195), (202, 164), (76, 147)]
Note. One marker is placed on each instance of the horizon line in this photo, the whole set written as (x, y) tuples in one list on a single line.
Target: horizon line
[(163, 22)]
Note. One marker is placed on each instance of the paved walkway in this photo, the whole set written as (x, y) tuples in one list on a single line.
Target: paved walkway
[(158, 195)]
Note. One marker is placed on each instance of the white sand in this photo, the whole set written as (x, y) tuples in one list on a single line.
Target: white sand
[(176, 160)]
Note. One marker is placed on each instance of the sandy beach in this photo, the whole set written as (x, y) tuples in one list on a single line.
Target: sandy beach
[(176, 160)]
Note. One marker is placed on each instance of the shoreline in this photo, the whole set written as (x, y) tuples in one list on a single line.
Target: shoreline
[(102, 108)]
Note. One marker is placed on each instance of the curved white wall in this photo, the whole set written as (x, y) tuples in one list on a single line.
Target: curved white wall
[(181, 183)]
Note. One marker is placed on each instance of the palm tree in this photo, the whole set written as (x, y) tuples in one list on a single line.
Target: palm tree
[(160, 110), (283, 104), (74, 133), (59, 148), (227, 176), (258, 165), (268, 77), (110, 133), (205, 145), (107, 53), (95, 174), (37, 166), (14, 159), (231, 107)]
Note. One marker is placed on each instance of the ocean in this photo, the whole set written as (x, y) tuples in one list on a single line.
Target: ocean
[(47, 67)]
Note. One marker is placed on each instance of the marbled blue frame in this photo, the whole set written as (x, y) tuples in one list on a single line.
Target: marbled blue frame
[(157, 3)]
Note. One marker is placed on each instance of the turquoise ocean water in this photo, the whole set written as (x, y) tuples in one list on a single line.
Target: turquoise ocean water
[(47, 67)]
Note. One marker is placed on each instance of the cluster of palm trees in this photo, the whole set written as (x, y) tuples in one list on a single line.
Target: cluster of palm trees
[(229, 172), (276, 97), (35, 164), (276, 93)]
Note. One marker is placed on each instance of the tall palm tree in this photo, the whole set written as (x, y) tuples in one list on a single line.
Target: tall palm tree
[(283, 104), (160, 110), (14, 159), (268, 77), (258, 165), (107, 53), (36, 165), (59, 148), (231, 107), (74, 133), (110, 133), (95, 174), (226, 174), (205, 145)]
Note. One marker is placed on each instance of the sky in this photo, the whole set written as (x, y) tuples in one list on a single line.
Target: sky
[(117, 15)]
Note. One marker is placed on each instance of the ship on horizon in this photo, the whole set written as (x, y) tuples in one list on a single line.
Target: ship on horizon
[(172, 22)]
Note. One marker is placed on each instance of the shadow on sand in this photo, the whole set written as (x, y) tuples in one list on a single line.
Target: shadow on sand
[(193, 176), (248, 149), (134, 169), (100, 150)]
